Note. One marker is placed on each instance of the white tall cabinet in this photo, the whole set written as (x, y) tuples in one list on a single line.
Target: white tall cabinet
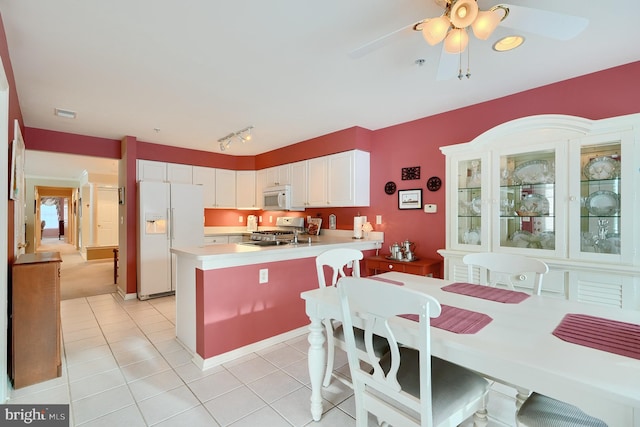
[(558, 188)]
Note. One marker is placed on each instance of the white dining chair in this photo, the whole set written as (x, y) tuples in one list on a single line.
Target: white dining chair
[(504, 269), (406, 386), (336, 260), (542, 411)]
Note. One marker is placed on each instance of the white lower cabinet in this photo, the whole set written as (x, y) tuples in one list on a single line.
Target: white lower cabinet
[(566, 193), (216, 240)]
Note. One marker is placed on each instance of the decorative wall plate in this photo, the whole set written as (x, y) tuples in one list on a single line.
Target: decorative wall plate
[(411, 173), (434, 183), (390, 187)]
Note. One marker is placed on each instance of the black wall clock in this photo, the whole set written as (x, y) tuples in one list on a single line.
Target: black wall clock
[(390, 187), (434, 183)]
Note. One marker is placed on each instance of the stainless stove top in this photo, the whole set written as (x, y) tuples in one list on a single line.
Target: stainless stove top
[(288, 227)]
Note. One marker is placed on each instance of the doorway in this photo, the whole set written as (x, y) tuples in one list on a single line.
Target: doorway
[(59, 206)]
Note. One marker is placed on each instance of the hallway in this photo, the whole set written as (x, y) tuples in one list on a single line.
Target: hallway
[(80, 278)]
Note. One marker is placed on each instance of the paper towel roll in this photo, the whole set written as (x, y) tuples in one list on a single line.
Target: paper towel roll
[(358, 221)]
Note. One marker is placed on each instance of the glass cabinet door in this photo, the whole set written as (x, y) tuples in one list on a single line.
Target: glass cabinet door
[(527, 201), (470, 210), (600, 223)]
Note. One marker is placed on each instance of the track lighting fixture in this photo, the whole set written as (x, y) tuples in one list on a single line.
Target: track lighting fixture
[(243, 135)]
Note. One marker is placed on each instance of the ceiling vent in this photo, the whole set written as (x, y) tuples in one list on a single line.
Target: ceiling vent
[(67, 114)]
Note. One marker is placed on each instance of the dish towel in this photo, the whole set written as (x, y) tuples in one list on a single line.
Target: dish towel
[(456, 320), (486, 292), (603, 334)]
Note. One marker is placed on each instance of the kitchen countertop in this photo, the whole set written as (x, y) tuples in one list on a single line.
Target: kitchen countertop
[(237, 254)]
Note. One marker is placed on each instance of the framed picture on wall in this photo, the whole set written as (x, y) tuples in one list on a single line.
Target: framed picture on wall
[(410, 199)]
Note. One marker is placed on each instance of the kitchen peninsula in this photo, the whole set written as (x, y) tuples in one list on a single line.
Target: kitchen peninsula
[(232, 299)]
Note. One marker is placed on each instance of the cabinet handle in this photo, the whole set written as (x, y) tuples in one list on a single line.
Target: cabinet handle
[(390, 266)]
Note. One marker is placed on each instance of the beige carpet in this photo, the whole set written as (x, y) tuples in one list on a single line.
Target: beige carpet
[(80, 278)]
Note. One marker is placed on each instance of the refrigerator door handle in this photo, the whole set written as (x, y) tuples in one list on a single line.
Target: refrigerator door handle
[(170, 215)]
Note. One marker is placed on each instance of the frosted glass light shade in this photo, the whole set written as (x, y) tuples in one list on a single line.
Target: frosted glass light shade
[(463, 13), (434, 30), (486, 23), (456, 41)]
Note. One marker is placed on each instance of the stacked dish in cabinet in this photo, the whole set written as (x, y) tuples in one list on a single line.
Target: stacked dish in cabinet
[(600, 198)]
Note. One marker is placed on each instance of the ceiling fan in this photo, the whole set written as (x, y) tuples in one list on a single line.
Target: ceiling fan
[(460, 16)]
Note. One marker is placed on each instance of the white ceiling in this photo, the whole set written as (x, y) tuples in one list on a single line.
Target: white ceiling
[(200, 69)]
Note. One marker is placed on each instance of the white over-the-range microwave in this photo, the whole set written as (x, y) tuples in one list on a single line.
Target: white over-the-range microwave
[(277, 198)]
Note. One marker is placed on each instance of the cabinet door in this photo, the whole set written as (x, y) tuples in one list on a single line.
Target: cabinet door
[(278, 175), (179, 174), (225, 188), (602, 222), (299, 197), (246, 190), (207, 178), (531, 201), (317, 174), (149, 170), (261, 184), (469, 202), (340, 176)]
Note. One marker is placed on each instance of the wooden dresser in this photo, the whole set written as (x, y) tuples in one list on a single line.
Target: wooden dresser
[(35, 319)]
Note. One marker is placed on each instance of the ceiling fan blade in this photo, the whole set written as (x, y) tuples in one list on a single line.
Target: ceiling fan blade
[(545, 23), (381, 41), (449, 65)]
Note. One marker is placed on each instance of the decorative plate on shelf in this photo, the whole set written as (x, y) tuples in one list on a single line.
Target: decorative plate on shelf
[(614, 240), (603, 203), (547, 239), (471, 237), (525, 239), (476, 206), (533, 172), (602, 168), (533, 204)]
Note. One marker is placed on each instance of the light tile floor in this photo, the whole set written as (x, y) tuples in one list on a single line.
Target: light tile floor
[(123, 366)]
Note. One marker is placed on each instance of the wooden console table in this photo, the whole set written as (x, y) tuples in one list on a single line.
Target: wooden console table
[(422, 266)]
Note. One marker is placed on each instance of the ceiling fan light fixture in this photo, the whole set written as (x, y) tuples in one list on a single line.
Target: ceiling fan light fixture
[(486, 23), (508, 43), (434, 30), (463, 13), (456, 41)]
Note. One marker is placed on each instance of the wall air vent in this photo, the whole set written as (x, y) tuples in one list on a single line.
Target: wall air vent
[(67, 114)]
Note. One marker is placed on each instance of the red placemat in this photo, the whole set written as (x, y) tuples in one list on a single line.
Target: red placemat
[(486, 292), (457, 320), (382, 279), (603, 334)]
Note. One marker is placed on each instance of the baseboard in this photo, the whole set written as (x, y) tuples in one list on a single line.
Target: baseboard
[(211, 362), (126, 296)]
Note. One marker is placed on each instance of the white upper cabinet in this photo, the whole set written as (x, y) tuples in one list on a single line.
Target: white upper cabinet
[(348, 178), (179, 174), (207, 178), (246, 190), (564, 193), (225, 188), (149, 170), (278, 175), (317, 181), (299, 185)]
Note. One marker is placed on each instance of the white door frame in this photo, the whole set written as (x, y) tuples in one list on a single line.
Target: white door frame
[(4, 225)]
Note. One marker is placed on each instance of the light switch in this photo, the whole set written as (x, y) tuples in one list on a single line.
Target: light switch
[(430, 208)]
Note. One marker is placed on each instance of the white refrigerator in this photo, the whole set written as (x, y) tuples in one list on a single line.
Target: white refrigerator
[(169, 216)]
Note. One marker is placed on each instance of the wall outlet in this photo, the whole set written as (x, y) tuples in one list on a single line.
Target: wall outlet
[(430, 208), (264, 275), (240, 219), (378, 219), (260, 218)]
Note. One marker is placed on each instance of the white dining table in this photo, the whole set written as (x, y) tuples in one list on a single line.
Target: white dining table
[(516, 348)]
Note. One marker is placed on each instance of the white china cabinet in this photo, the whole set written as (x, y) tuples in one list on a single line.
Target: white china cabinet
[(558, 188)]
